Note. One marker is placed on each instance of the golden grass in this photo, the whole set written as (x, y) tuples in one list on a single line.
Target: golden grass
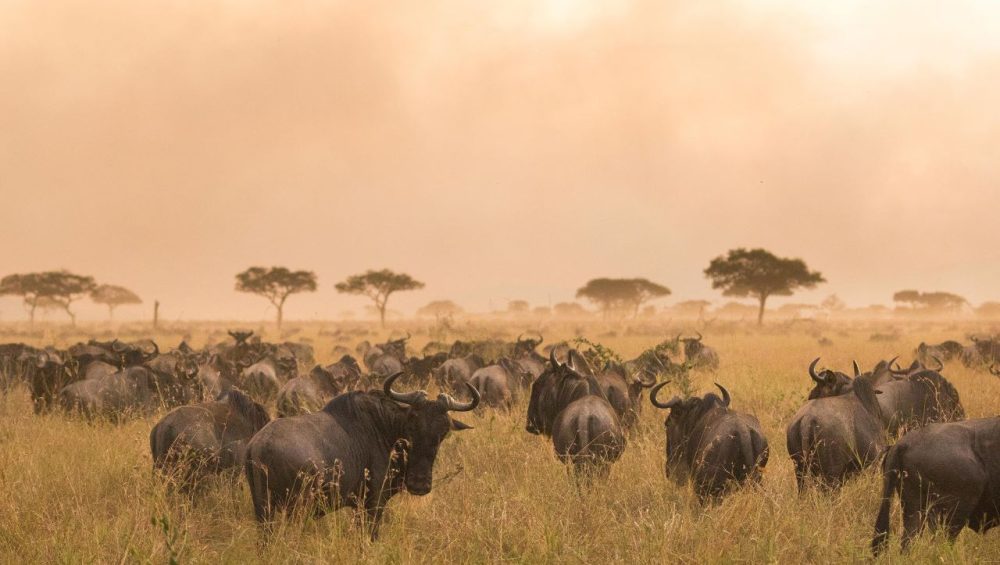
[(77, 492)]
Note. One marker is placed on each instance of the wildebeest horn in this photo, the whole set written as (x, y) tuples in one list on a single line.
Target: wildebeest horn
[(552, 358), (407, 398), (857, 369), (40, 360), (891, 361), (456, 406), (665, 405), (541, 338), (940, 364), (519, 336), (726, 399), (699, 338), (812, 371), (117, 346)]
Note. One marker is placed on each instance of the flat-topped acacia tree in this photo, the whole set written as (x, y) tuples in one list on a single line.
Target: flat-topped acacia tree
[(379, 286), (760, 274), (113, 296), (57, 289), (621, 295), (275, 284)]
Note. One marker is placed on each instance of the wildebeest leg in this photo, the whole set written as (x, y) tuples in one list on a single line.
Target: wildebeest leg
[(913, 502)]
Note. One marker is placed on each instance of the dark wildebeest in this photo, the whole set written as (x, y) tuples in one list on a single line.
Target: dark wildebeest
[(49, 375), (623, 390), (194, 441), (454, 372), (132, 391), (834, 437), (386, 358), (710, 445), (699, 355), (309, 393), (421, 368), (216, 375), (524, 354), (498, 384), (945, 351), (947, 475), (917, 396), (982, 352), (263, 379), (568, 404), (15, 362), (358, 451)]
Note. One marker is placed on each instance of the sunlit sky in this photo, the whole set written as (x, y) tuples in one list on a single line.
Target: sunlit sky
[(497, 151)]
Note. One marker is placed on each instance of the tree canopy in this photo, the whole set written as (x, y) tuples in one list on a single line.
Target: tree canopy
[(49, 288), (760, 274), (621, 295), (113, 296), (440, 309), (930, 301), (275, 284), (379, 286)]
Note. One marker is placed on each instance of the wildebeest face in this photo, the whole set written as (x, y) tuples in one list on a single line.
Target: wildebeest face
[(427, 424)]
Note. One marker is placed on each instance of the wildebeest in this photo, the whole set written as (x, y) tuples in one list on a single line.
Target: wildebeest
[(568, 404), (918, 396), (982, 353), (832, 438), (358, 451), (947, 475), (132, 391), (193, 441), (50, 374), (498, 383), (945, 351), (623, 390), (263, 379), (699, 355), (309, 393), (453, 373), (711, 445)]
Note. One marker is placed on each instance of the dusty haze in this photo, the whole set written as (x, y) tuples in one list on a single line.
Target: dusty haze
[(503, 151)]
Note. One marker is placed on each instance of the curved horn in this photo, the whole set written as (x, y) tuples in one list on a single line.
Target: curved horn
[(519, 336), (891, 361), (812, 371), (155, 352), (552, 358), (40, 360), (456, 406), (857, 368), (407, 398), (665, 405), (726, 399), (699, 338)]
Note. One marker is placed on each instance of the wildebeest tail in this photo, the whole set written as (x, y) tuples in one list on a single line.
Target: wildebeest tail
[(891, 471), (258, 491)]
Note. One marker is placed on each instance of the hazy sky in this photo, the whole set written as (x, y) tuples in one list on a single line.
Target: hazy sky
[(497, 150)]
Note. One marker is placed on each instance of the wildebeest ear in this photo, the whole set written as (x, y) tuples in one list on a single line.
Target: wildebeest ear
[(459, 425)]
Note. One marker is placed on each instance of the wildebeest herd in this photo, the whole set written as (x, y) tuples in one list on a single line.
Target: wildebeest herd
[(344, 434)]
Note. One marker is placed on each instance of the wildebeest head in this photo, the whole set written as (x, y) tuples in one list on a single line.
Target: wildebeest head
[(396, 347), (240, 336), (692, 345), (427, 423), (525, 345), (828, 382), (682, 420)]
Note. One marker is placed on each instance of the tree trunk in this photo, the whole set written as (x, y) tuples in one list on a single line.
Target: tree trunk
[(111, 313), (156, 313), (281, 315), (72, 316), (760, 313), (31, 315), (381, 313)]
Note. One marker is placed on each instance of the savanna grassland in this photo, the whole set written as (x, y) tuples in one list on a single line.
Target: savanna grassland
[(77, 492)]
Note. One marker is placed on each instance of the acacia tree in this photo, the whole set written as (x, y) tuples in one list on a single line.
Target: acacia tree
[(613, 295), (440, 309), (48, 289), (275, 284), (113, 296), (760, 274), (930, 301), (379, 286)]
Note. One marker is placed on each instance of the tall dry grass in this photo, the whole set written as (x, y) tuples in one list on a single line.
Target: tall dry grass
[(77, 492)]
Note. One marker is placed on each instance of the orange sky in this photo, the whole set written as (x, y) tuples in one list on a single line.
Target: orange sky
[(496, 151)]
